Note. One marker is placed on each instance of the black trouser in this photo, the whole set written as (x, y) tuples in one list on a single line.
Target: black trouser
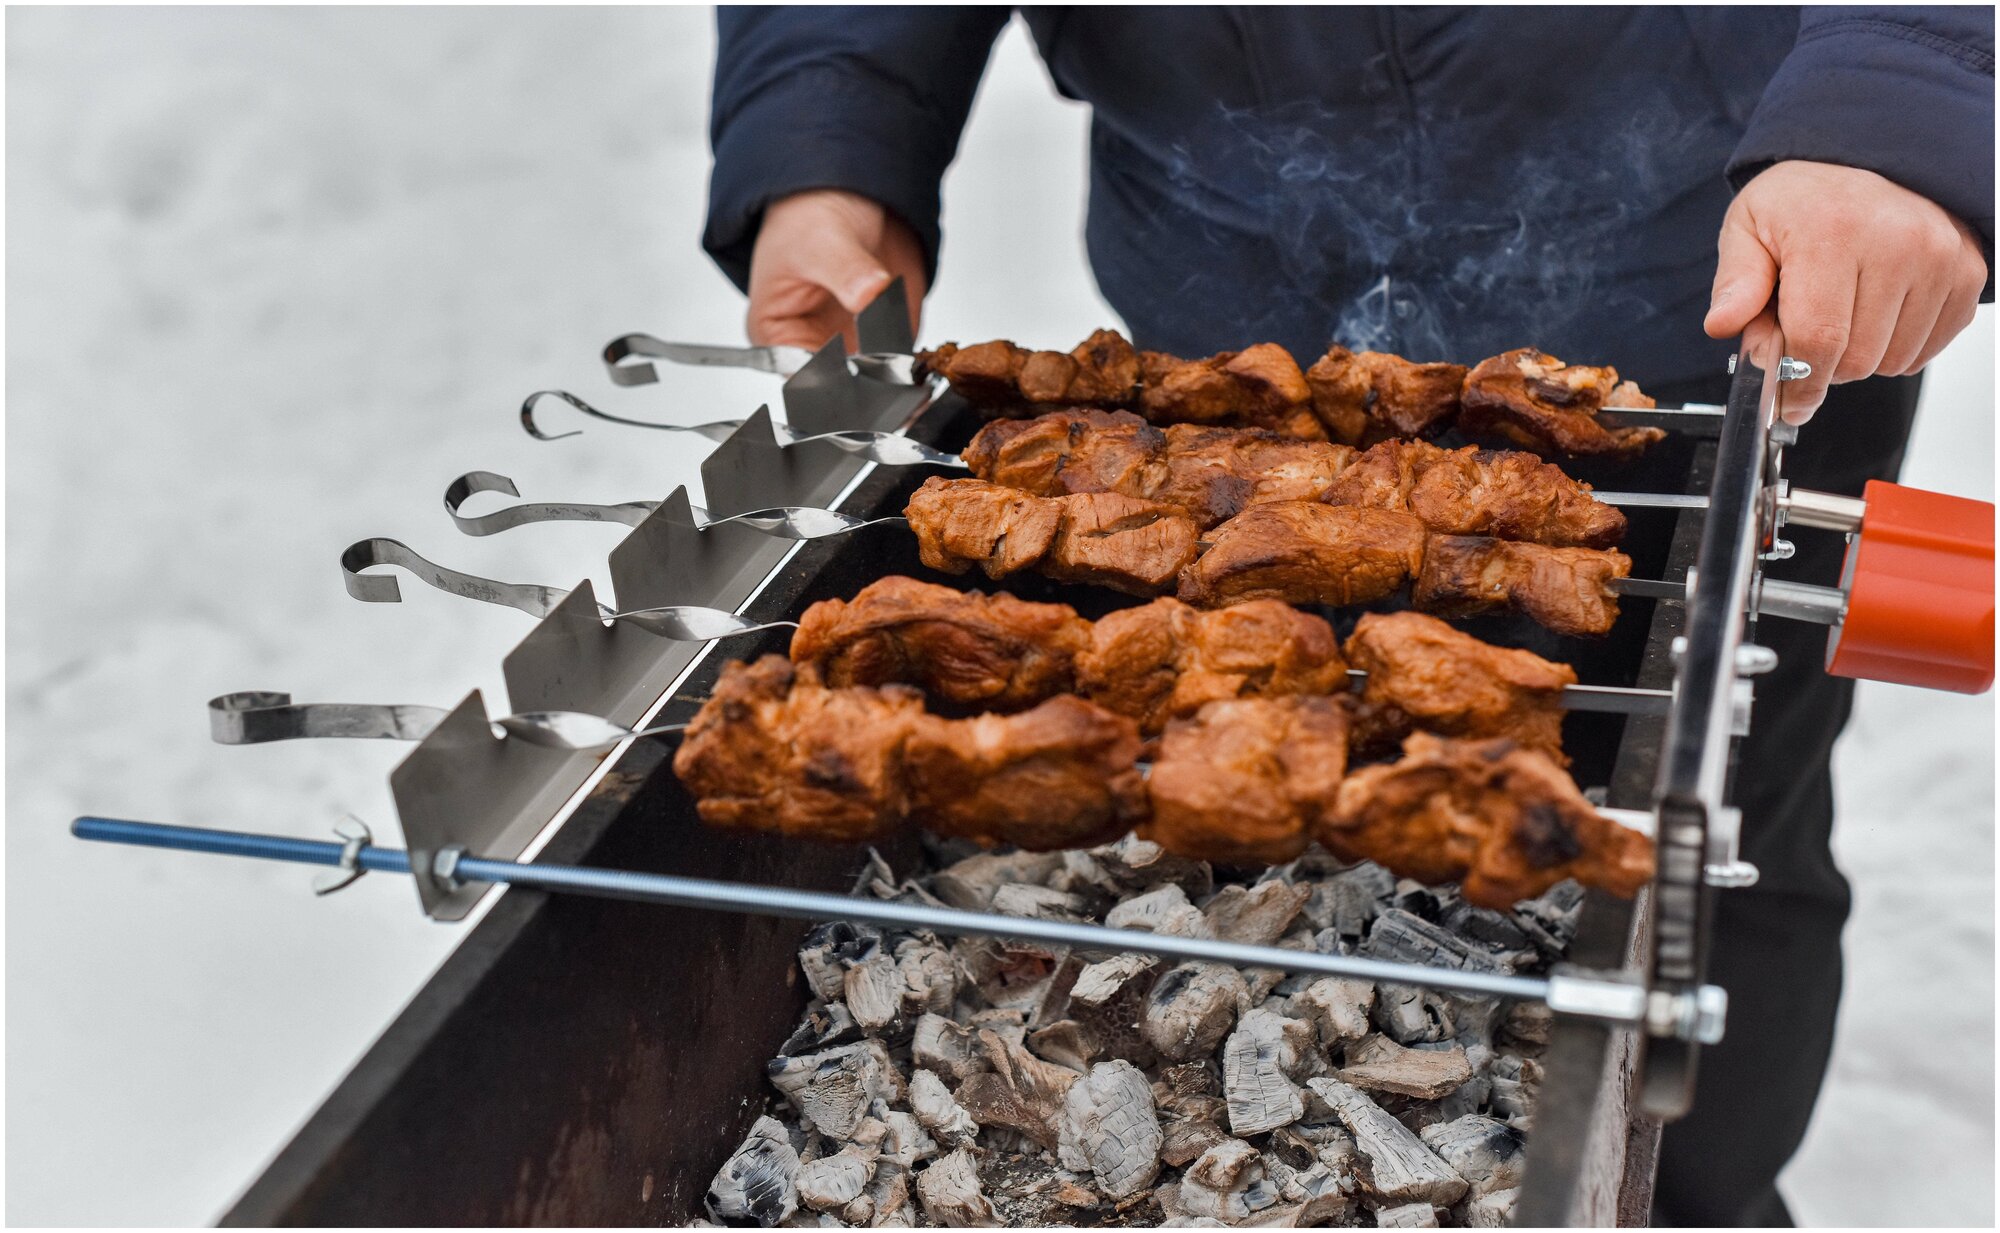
[(1777, 944)]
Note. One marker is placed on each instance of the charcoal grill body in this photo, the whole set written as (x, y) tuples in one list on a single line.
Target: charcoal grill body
[(583, 1061)]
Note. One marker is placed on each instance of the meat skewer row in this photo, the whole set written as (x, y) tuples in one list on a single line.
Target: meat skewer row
[(1244, 781), (1299, 552), (1524, 397), (1215, 473), (1162, 661)]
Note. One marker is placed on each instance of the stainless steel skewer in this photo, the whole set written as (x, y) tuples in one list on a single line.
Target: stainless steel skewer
[(888, 448), (1567, 990), (889, 367), (259, 717)]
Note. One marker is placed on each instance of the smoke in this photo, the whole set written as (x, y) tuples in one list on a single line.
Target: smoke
[(1442, 237)]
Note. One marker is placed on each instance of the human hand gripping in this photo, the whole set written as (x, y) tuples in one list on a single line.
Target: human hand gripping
[(820, 257), (1871, 278)]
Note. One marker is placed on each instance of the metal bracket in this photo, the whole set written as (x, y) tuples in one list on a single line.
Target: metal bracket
[(356, 836)]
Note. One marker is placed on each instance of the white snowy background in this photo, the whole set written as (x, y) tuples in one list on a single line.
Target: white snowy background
[(274, 277)]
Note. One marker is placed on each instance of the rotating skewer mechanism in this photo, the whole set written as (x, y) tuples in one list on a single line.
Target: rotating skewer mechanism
[(1915, 604)]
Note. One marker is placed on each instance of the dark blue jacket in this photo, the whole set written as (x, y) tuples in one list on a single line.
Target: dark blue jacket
[(1441, 182)]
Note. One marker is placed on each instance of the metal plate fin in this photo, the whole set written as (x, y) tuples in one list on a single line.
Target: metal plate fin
[(670, 559), (754, 470), (825, 396), (884, 325), (575, 661)]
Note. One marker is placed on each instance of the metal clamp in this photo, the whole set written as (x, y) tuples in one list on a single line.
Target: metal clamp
[(357, 836)]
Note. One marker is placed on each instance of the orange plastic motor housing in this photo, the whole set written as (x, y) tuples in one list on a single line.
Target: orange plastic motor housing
[(1919, 580)]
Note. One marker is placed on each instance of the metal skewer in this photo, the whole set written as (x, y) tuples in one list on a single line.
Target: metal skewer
[(1571, 991), (888, 448), (259, 717), (889, 367)]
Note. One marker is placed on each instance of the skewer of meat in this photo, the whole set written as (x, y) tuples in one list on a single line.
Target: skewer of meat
[(1248, 780)]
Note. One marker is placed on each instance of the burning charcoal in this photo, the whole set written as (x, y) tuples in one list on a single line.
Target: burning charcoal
[(1259, 915), (825, 1025), (1263, 982), (1324, 1197), (1488, 1154), (1191, 1091), (874, 992), (949, 1192), (1191, 1008), (834, 1090), (1108, 1000), (1226, 1183), (1491, 1211), (1378, 1064), (1407, 1014), (1165, 911), (878, 879), (830, 949), (832, 1182), (1400, 937), (947, 1048), (902, 1139), (1336, 1007), (971, 883), (1407, 1216), (758, 1184), (1037, 902), (1354, 897), (1135, 864), (931, 1104), (1067, 1043), (930, 977), (1108, 1128), (1400, 1168), (1021, 976), (1420, 900), (1263, 1056), (1498, 931), (1527, 1026), (1555, 912), (1183, 1141), (886, 1201), (1515, 1080), (1019, 1091)]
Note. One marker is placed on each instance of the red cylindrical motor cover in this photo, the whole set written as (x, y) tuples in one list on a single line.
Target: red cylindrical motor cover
[(1919, 581)]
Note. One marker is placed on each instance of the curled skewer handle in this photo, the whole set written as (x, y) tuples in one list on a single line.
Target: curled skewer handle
[(715, 430), (255, 717), (466, 486), (625, 358), (531, 598)]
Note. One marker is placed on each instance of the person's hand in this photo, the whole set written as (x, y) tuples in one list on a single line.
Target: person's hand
[(820, 257), (1871, 277)]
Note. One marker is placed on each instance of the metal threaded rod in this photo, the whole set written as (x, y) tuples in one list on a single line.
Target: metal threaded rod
[(1578, 994)]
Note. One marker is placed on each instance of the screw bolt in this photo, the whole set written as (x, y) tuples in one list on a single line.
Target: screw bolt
[(1790, 369)]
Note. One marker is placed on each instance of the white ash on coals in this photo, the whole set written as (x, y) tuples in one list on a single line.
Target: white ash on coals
[(980, 1082)]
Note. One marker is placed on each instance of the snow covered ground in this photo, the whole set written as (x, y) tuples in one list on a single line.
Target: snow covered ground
[(275, 277)]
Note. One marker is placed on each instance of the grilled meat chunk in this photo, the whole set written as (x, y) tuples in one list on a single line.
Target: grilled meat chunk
[(1303, 552), (1424, 674), (1566, 589), (775, 750), (1503, 493), (1164, 660), (1106, 539), (1257, 387), (1506, 820), (1532, 399), (1102, 371), (1212, 473), (994, 651), (1246, 781), (1063, 775), (1360, 398)]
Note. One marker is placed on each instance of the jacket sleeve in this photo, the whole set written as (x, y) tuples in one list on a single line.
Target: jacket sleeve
[(1905, 92), (867, 99)]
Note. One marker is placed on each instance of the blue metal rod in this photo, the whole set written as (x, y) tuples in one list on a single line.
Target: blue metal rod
[(813, 905)]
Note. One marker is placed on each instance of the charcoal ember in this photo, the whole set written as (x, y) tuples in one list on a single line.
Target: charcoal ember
[(1489, 1211), (758, 1184), (930, 976), (970, 884), (1555, 912), (1260, 1063), (1226, 1183), (1337, 1007), (1401, 1169), (1324, 1197), (1191, 1008), (1525, 1027), (1038, 902), (1409, 1015), (1354, 897), (1164, 911), (834, 1090), (1400, 936), (1184, 1140), (1108, 999), (873, 989), (1379, 1064), (1257, 915), (950, 1195), (1516, 1080), (1407, 1216), (832, 1182), (1135, 865), (1067, 1043), (1109, 1129), (931, 1103), (1018, 1090), (886, 1201), (1263, 983), (1487, 1153), (830, 949), (1421, 901), (825, 1025), (1497, 931), (1016, 975), (948, 1048)]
